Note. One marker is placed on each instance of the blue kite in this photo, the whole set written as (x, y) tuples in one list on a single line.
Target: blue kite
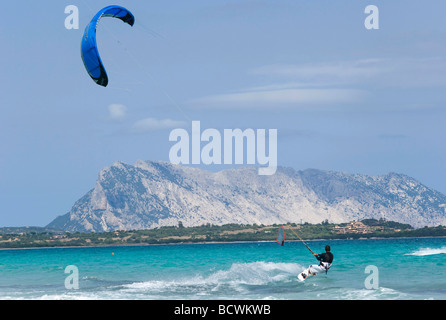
[(89, 50)]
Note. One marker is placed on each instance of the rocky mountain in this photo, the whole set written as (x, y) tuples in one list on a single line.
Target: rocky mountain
[(150, 194)]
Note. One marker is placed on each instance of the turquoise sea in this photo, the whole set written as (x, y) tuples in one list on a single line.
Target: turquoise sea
[(402, 269)]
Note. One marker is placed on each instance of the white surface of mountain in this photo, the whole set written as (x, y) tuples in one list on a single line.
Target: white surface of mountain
[(151, 194)]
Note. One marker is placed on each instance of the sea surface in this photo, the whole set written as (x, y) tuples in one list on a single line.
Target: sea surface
[(362, 269)]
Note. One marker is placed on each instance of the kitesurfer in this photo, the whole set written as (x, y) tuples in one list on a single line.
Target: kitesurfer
[(325, 260)]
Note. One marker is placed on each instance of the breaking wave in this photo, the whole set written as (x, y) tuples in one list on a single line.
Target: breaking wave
[(428, 251), (240, 279), (256, 280)]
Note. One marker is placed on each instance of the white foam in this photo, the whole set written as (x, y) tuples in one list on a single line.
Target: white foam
[(428, 251), (236, 277), (381, 293)]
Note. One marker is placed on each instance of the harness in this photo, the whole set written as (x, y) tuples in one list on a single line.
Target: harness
[(326, 265)]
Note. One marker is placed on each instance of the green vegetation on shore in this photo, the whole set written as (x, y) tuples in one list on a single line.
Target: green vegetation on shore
[(369, 228)]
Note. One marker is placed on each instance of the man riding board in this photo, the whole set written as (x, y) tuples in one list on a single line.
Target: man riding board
[(325, 259)]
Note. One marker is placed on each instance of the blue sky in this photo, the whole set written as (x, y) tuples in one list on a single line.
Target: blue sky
[(342, 97)]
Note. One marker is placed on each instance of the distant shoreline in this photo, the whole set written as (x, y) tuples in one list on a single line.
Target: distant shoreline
[(30, 237), (210, 242)]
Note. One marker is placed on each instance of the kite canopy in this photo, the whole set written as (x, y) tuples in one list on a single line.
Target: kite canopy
[(89, 50)]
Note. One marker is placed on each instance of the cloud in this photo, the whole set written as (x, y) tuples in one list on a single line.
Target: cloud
[(287, 98), (331, 84), (117, 112), (301, 86), (401, 72), (152, 124), (326, 73)]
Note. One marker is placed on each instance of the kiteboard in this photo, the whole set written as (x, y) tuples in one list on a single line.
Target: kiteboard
[(304, 274)]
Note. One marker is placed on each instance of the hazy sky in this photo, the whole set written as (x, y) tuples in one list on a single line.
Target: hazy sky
[(341, 97)]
